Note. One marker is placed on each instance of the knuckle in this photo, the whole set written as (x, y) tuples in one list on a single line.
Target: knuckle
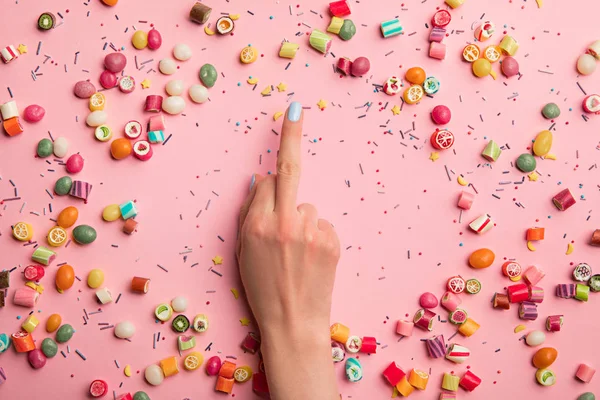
[(288, 168)]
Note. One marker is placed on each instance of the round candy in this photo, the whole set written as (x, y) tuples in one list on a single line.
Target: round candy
[(53, 323), (103, 133), (96, 118), (154, 375), (348, 30), (57, 236), (84, 89), (179, 304), (213, 365), (544, 357), (481, 258), (428, 300), (545, 377), (154, 39), (526, 162), (111, 213), (124, 330), (63, 186), (551, 111), (108, 79), (535, 338), (36, 358), (208, 75), (248, 55), (65, 276), (115, 62), (441, 18), (542, 143), (173, 105), (586, 64), (431, 85), (413, 94), (142, 150), (95, 278), (49, 347), (482, 67), (510, 66), (442, 139), (110, 3), (141, 396), (167, 66), (174, 87), (360, 66), (139, 40), (182, 52), (127, 84), (163, 312), (61, 146), (441, 114), (64, 333), (98, 388), (33, 113), (415, 75), (587, 396), (74, 164), (44, 148), (198, 93), (84, 234), (225, 25), (67, 217), (120, 148)]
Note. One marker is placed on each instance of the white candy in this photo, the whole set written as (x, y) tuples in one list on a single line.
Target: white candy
[(174, 87), (9, 110), (179, 304), (154, 375), (586, 64), (182, 52), (198, 93), (124, 330), (173, 105), (61, 146), (104, 296), (96, 118), (167, 66), (535, 338), (594, 49)]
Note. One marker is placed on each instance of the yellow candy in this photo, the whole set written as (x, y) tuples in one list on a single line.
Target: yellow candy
[(208, 31), (252, 81), (127, 371), (277, 115), (520, 328), (482, 68), (454, 3), (413, 94), (30, 323), (266, 91), (95, 278), (543, 143), (335, 25), (509, 45), (234, 17), (23, 231), (111, 213), (35, 286), (288, 50), (139, 40)]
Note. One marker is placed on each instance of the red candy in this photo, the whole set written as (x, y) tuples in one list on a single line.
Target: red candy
[(34, 272), (360, 66), (518, 293), (510, 67), (126, 396), (563, 200), (153, 103), (108, 79), (441, 115), (469, 381), (98, 388), (343, 65), (339, 8), (442, 139), (251, 343), (213, 365), (74, 164), (369, 345), (428, 300), (441, 18), (36, 358), (115, 62), (393, 374), (33, 113), (260, 386), (154, 39)]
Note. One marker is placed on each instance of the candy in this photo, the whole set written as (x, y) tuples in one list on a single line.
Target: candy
[(225, 25), (163, 312), (458, 316), (587, 396), (12, 126), (198, 93), (582, 292), (544, 357), (154, 375), (437, 34), (586, 64), (554, 323), (36, 358), (441, 18), (103, 133), (436, 346), (251, 342), (404, 387), (96, 118), (428, 300), (167, 66), (320, 41), (450, 382), (528, 311), (518, 293), (418, 379), (582, 272), (4, 279), (465, 200), (174, 88), (534, 234), (30, 323), (348, 30), (473, 286), (585, 373), (565, 291), (354, 371), (53, 323), (360, 66), (481, 67), (510, 67), (224, 385), (533, 275), (61, 146), (563, 200), (133, 129), (193, 361), (338, 353), (115, 62), (9, 110), (84, 89), (108, 79), (74, 164), (509, 45), (208, 75), (484, 31), (369, 345), (542, 144), (392, 86), (182, 51), (22, 341), (130, 226), (424, 319), (391, 28), (140, 285), (179, 304), (46, 21), (451, 301), (457, 354), (468, 328), (43, 255), (213, 365), (80, 190), (95, 278), (8, 54), (154, 39), (84, 234), (5, 342), (124, 330), (173, 105), (469, 381), (98, 388), (492, 151), (591, 104), (156, 136), (431, 85), (413, 94), (339, 332), (339, 8), (127, 84), (437, 50), (22, 231), (456, 284), (393, 374), (32, 273), (353, 344), (595, 239), (343, 65), (535, 338), (49, 347), (33, 113), (482, 224), (335, 25), (120, 148), (139, 40), (594, 283), (65, 277), (441, 115), (104, 296), (288, 50), (404, 328), (64, 333), (442, 139), (25, 297), (227, 369), (200, 13), (545, 377)]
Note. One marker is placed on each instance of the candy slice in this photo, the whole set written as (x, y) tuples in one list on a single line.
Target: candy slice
[(582, 272), (181, 323), (98, 388), (103, 133), (456, 284), (133, 129), (391, 28), (591, 104), (225, 25), (142, 150), (46, 21), (442, 139), (320, 41), (458, 316), (441, 18)]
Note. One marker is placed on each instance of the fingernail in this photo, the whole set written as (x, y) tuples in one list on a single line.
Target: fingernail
[(294, 111), (252, 182)]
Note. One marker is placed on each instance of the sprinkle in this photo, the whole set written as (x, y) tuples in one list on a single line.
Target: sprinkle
[(161, 267), (80, 355)]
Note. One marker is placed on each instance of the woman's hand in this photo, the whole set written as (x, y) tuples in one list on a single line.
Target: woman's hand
[(287, 258)]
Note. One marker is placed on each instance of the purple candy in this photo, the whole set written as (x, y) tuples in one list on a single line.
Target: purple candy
[(36, 358), (428, 300)]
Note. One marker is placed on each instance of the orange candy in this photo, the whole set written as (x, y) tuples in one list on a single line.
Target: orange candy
[(65, 276), (481, 258), (67, 217), (120, 148), (544, 357), (227, 370), (415, 75), (110, 3)]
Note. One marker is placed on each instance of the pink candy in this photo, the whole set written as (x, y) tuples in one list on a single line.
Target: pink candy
[(360, 66), (343, 65), (33, 113), (154, 39), (450, 301), (404, 328), (213, 365), (108, 79), (510, 67), (585, 373), (465, 200), (428, 300), (437, 50), (441, 114), (533, 275), (36, 358), (115, 62), (84, 89), (74, 164)]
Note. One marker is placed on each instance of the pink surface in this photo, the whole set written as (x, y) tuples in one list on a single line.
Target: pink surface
[(397, 217)]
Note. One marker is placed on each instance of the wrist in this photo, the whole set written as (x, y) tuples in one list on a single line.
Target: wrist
[(296, 339)]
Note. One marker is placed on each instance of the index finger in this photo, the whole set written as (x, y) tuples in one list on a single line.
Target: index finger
[(288, 160)]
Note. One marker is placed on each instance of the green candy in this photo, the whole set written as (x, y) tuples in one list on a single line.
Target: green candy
[(348, 30), (64, 333), (45, 148), (141, 396), (526, 162), (492, 151), (63, 186), (550, 111), (208, 75), (49, 347), (587, 396), (84, 234)]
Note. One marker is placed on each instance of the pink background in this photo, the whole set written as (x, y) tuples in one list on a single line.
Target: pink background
[(402, 202)]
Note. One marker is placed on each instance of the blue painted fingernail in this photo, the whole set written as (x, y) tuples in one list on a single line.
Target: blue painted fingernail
[(294, 111), (252, 182)]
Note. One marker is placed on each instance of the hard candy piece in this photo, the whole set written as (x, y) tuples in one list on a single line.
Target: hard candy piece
[(544, 357), (526, 162), (198, 93), (586, 64), (36, 358), (360, 66), (208, 75), (441, 114), (154, 39), (96, 118), (173, 105), (124, 330), (64, 333), (141, 396), (84, 89), (33, 113), (174, 87), (139, 40), (428, 300), (179, 304), (154, 375), (182, 52), (67, 217), (120, 148), (510, 66), (348, 30), (111, 213), (587, 396), (115, 62), (542, 144), (535, 338), (213, 365), (84, 234), (108, 79), (61, 146), (63, 186), (551, 111), (95, 278), (74, 164), (167, 66), (53, 323), (45, 148), (49, 347), (65, 277)]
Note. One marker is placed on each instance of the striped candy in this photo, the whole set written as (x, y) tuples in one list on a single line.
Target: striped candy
[(391, 28), (436, 346), (81, 190), (565, 291), (9, 53), (528, 311)]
